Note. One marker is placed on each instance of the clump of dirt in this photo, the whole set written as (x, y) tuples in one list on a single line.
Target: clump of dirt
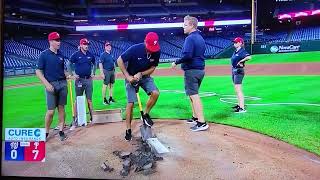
[(141, 160)]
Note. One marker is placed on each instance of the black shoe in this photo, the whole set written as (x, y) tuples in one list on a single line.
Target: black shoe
[(111, 100), (240, 110), (235, 107), (128, 136), (199, 127), (105, 101), (62, 136), (193, 120), (147, 120)]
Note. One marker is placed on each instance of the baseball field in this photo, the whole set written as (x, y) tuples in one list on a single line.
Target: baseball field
[(284, 105)]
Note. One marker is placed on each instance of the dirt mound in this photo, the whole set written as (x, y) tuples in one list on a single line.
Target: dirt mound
[(221, 152)]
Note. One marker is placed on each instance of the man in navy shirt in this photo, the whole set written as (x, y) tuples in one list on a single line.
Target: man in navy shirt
[(238, 59), (106, 65), (84, 70), (192, 63), (52, 72), (141, 60)]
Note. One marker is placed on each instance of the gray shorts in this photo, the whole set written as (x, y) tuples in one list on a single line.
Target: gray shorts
[(237, 75), (109, 77), (82, 85), (59, 96), (192, 81), (147, 85)]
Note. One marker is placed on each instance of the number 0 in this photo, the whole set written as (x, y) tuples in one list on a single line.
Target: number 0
[(14, 154)]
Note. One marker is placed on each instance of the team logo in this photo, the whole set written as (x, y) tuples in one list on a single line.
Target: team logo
[(274, 49), (151, 60), (155, 42)]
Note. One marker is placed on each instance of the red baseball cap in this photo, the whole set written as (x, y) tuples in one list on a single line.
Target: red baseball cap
[(53, 36), (107, 43), (84, 41), (238, 39), (152, 42)]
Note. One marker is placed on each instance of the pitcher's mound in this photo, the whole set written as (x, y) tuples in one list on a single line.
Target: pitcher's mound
[(221, 152)]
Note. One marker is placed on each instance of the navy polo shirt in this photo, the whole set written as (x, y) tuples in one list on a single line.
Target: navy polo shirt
[(193, 52), (138, 60), (52, 65), (83, 63), (107, 61), (238, 56)]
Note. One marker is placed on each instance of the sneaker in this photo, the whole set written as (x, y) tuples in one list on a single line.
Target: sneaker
[(193, 120), (147, 120), (73, 127), (90, 121), (235, 107), (111, 100), (240, 110), (128, 136), (106, 102), (73, 124), (199, 127), (62, 136), (58, 127)]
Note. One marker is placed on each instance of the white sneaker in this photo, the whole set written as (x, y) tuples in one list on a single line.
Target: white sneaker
[(73, 127)]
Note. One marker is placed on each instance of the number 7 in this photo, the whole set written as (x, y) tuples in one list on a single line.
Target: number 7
[(36, 152)]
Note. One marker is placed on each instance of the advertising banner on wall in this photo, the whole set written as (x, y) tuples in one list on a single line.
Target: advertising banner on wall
[(278, 48)]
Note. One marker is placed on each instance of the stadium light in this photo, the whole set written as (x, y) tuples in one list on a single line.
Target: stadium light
[(299, 14), (315, 12), (284, 16), (80, 20), (159, 25)]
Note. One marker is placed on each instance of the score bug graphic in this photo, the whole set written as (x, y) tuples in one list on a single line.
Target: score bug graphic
[(25, 144)]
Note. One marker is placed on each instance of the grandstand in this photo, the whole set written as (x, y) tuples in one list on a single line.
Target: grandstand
[(170, 46), (23, 52)]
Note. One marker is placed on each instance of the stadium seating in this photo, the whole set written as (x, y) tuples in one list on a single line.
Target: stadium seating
[(19, 54), (11, 62), (22, 50), (218, 41), (303, 34)]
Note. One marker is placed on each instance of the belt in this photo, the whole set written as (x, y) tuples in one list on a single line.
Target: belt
[(85, 77), (61, 79)]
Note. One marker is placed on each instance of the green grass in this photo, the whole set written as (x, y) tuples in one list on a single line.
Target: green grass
[(268, 59), (20, 80), (297, 125), (256, 59)]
